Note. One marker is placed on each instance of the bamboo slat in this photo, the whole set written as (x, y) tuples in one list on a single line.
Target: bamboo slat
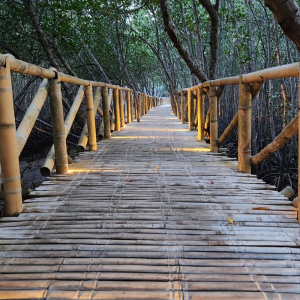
[(151, 215)]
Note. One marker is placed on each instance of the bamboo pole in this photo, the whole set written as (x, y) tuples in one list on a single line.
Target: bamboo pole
[(200, 113), (298, 145), (190, 111), (57, 120), (83, 140), (146, 104), (182, 107), (244, 127), (254, 91), (23, 67), (9, 158), (129, 105), (31, 115), (139, 107), (143, 104), (49, 161), (106, 118), (116, 110), (135, 99), (286, 134), (228, 130), (213, 110), (121, 104), (90, 115)]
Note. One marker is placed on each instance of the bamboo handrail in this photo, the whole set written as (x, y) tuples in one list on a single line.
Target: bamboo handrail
[(243, 118), (12, 141), (290, 70)]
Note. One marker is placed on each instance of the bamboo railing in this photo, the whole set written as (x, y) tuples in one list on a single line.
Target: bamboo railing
[(12, 140), (249, 85)]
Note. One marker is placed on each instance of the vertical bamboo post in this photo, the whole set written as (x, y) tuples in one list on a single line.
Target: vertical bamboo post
[(129, 104), (83, 140), (190, 110), (143, 104), (200, 113), (139, 107), (117, 110), (50, 159), (299, 147), (121, 104), (57, 120), (213, 109), (105, 105), (182, 108), (177, 106), (90, 115), (9, 158), (146, 104), (135, 99), (244, 127)]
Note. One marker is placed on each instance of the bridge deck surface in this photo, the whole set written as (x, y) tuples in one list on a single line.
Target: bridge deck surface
[(152, 215)]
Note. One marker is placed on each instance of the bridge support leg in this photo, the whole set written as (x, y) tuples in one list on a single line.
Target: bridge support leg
[(117, 110), (90, 114), (106, 120), (121, 104), (200, 113), (146, 104), (9, 157), (139, 107), (128, 98), (213, 109), (244, 127), (183, 108), (57, 120), (191, 116)]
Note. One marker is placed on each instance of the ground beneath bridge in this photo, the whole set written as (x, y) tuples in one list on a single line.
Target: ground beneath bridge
[(152, 215)]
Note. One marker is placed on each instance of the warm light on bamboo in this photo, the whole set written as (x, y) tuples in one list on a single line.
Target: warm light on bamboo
[(200, 114), (121, 104), (105, 119), (129, 106), (213, 114), (57, 119), (116, 110), (90, 115), (83, 140), (244, 127), (190, 111), (9, 158), (49, 162)]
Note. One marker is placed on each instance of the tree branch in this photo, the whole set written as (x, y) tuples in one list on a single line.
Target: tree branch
[(287, 14), (169, 28)]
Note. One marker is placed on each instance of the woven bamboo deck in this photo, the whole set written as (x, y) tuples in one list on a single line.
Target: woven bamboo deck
[(152, 215)]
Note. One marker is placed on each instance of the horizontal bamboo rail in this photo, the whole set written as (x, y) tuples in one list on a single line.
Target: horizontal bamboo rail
[(13, 141), (249, 86), (286, 134)]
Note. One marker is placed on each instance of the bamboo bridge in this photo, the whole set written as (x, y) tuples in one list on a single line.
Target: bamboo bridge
[(151, 211)]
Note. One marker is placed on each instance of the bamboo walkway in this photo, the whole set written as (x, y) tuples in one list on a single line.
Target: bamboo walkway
[(152, 215)]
